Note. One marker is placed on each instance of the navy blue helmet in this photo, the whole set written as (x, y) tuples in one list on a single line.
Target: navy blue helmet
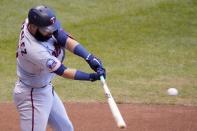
[(44, 18)]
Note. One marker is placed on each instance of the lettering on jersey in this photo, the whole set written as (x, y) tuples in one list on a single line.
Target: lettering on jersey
[(51, 64), (23, 25), (23, 49), (22, 35)]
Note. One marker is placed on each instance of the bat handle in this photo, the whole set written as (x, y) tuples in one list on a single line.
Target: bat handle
[(102, 79), (107, 92)]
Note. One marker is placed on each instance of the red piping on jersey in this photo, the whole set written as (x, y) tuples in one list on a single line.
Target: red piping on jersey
[(32, 104)]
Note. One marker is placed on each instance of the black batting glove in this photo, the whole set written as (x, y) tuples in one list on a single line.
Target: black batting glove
[(96, 76), (94, 62), (101, 72)]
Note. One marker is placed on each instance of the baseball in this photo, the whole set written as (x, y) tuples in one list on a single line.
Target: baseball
[(172, 91)]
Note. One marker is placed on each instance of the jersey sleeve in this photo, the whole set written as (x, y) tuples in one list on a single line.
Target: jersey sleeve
[(51, 63), (43, 59), (61, 37)]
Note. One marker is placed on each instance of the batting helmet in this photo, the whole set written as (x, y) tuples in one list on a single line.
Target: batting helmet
[(44, 18)]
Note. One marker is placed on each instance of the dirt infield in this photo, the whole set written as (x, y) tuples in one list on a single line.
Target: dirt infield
[(97, 117)]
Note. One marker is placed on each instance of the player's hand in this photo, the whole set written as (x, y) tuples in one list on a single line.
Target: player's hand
[(101, 72), (94, 62), (96, 76)]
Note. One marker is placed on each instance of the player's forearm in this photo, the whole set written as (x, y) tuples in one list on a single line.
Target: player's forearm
[(76, 75), (71, 44), (69, 73), (76, 48), (81, 51)]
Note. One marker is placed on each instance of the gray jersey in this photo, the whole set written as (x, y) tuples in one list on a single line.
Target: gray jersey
[(37, 60)]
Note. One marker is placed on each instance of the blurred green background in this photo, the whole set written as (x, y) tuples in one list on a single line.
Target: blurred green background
[(146, 46)]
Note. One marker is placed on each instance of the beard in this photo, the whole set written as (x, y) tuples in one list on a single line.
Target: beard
[(41, 37)]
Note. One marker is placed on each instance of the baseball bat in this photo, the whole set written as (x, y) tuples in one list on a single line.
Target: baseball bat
[(112, 104)]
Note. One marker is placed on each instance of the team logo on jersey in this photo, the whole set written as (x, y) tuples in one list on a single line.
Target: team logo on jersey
[(51, 64)]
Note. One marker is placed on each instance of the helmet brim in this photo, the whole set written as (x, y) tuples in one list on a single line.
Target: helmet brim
[(51, 28)]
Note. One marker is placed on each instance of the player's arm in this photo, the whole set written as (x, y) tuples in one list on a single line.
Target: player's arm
[(77, 74), (75, 47)]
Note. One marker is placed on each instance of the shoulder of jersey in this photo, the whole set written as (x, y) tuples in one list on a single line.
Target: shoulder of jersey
[(34, 46)]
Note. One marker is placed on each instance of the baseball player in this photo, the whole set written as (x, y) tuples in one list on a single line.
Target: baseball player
[(40, 55)]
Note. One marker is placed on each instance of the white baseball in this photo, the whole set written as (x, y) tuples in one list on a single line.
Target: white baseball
[(172, 91)]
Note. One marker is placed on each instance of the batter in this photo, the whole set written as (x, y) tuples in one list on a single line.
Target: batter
[(40, 55)]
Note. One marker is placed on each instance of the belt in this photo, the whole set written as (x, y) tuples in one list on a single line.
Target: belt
[(33, 86)]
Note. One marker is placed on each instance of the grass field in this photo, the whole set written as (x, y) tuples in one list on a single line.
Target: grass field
[(146, 46)]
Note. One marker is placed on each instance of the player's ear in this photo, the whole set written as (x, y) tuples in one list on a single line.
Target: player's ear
[(32, 28)]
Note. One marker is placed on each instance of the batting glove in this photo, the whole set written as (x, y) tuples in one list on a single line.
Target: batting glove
[(94, 62), (101, 72), (96, 76)]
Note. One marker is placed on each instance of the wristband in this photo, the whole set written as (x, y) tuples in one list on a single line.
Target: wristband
[(60, 70), (79, 75)]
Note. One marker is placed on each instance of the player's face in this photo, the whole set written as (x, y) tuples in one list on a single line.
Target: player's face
[(46, 33), (47, 30), (42, 36)]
